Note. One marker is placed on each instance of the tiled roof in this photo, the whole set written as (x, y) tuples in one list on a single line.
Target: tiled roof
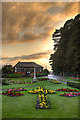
[(28, 64)]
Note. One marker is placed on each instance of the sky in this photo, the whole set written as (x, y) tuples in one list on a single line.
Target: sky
[(27, 29)]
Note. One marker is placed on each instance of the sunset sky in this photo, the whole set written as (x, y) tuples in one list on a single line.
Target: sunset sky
[(27, 29)]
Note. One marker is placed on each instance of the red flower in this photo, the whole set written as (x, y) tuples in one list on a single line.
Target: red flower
[(58, 89), (79, 93), (76, 90)]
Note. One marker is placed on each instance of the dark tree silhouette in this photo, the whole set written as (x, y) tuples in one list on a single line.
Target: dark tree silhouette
[(66, 48)]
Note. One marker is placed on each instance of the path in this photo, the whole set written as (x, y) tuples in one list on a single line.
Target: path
[(59, 78)]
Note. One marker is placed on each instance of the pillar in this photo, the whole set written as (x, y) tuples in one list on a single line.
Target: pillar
[(34, 75)]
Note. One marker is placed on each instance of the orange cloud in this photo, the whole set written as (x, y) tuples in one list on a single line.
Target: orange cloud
[(28, 57), (21, 20)]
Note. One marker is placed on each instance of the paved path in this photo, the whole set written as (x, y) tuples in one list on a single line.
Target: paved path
[(52, 76), (59, 78)]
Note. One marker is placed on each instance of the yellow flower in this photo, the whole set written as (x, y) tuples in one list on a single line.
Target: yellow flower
[(46, 106), (41, 104), (43, 95), (39, 95)]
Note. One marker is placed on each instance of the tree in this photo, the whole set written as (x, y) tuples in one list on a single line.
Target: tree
[(7, 69), (66, 49), (45, 71), (73, 52)]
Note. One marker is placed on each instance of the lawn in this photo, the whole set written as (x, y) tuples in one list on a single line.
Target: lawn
[(73, 79), (25, 106)]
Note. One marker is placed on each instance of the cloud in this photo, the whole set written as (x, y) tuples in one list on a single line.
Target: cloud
[(28, 57), (21, 19), (70, 9), (31, 36)]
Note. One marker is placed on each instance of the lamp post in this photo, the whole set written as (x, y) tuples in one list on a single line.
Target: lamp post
[(34, 75)]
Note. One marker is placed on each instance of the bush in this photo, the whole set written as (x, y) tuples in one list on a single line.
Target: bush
[(41, 74), (5, 82), (42, 79), (16, 75), (74, 84)]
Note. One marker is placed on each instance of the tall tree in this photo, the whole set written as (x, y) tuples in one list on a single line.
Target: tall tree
[(7, 69), (67, 53)]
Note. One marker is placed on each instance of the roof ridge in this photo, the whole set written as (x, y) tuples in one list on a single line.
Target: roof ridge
[(33, 64)]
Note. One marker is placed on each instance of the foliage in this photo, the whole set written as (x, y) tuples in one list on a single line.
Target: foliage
[(44, 73), (5, 82), (74, 84), (42, 79), (65, 59), (12, 75), (7, 69), (40, 74)]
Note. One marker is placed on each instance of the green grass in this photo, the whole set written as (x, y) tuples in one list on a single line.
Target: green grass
[(77, 80), (63, 80), (25, 106)]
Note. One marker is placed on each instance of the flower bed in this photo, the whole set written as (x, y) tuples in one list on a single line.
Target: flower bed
[(43, 102), (67, 90), (41, 90), (72, 94), (19, 82), (74, 84), (43, 79), (55, 82), (14, 92)]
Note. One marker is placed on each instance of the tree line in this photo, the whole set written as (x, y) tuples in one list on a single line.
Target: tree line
[(65, 59)]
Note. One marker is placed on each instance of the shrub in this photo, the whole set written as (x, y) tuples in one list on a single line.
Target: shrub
[(74, 84), (5, 82), (42, 79), (41, 74), (16, 75)]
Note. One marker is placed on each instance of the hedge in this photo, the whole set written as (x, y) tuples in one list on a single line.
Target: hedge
[(16, 75), (5, 82), (74, 84), (42, 79), (41, 74)]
